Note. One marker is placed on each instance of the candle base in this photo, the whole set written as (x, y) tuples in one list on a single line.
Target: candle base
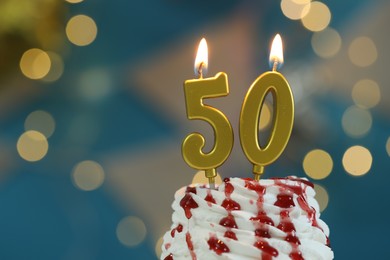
[(258, 170), (211, 174)]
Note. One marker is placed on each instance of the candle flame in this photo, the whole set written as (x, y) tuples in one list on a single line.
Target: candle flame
[(201, 60), (276, 55)]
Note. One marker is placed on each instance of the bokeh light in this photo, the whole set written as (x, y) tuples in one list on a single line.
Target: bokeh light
[(321, 196), (388, 146), (88, 175), (366, 93), (131, 231), (356, 121), (32, 146), (35, 63), (362, 51), (326, 43), (265, 116), (318, 17), (157, 248), (56, 69), (318, 164), (40, 121), (81, 30), (201, 178), (295, 9), (357, 160)]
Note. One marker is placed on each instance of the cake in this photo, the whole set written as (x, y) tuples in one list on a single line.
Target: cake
[(247, 219)]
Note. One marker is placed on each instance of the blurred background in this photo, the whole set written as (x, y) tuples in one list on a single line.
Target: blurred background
[(92, 116)]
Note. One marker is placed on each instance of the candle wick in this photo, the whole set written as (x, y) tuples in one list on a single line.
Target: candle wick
[(200, 70), (275, 66)]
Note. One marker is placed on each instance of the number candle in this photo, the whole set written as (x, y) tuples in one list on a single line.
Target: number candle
[(270, 82), (195, 91)]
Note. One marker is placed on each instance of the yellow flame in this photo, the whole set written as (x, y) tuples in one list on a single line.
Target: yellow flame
[(276, 54), (201, 60)]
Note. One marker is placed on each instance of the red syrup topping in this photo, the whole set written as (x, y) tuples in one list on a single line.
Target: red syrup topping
[(169, 257), (284, 200), (167, 246), (188, 203), (228, 203), (191, 189), (263, 218), (179, 229), (190, 246), (230, 234), (291, 238), (262, 232), (255, 186), (267, 249), (228, 221), (218, 246), (209, 198)]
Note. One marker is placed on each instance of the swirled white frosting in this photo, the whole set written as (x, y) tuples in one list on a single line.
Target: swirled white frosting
[(247, 219)]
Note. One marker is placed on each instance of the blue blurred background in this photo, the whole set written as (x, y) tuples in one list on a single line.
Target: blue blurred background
[(92, 116)]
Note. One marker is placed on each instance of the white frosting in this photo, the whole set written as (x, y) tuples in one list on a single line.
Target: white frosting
[(204, 223)]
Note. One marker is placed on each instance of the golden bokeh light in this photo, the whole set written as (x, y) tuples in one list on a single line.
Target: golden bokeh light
[(295, 9), (362, 51), (321, 196), (88, 175), (388, 146), (326, 43), (74, 1), (81, 30), (40, 121), (356, 121), (265, 116), (131, 231), (56, 69), (318, 17), (357, 160), (318, 164), (32, 146), (35, 63), (157, 248), (201, 178), (366, 93)]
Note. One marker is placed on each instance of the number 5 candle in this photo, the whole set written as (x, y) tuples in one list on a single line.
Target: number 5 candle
[(270, 82), (195, 91)]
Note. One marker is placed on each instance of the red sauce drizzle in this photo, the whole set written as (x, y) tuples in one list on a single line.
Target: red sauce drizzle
[(190, 246), (188, 203), (230, 234), (228, 221), (209, 198), (218, 246), (267, 249), (179, 229), (263, 218), (169, 257), (167, 246), (228, 203), (262, 232), (285, 200)]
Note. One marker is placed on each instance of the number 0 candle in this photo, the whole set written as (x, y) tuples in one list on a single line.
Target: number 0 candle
[(270, 82), (195, 91)]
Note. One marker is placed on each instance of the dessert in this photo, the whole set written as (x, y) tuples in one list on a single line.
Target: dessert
[(247, 219)]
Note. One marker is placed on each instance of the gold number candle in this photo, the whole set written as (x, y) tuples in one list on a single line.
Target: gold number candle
[(195, 91), (270, 82)]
